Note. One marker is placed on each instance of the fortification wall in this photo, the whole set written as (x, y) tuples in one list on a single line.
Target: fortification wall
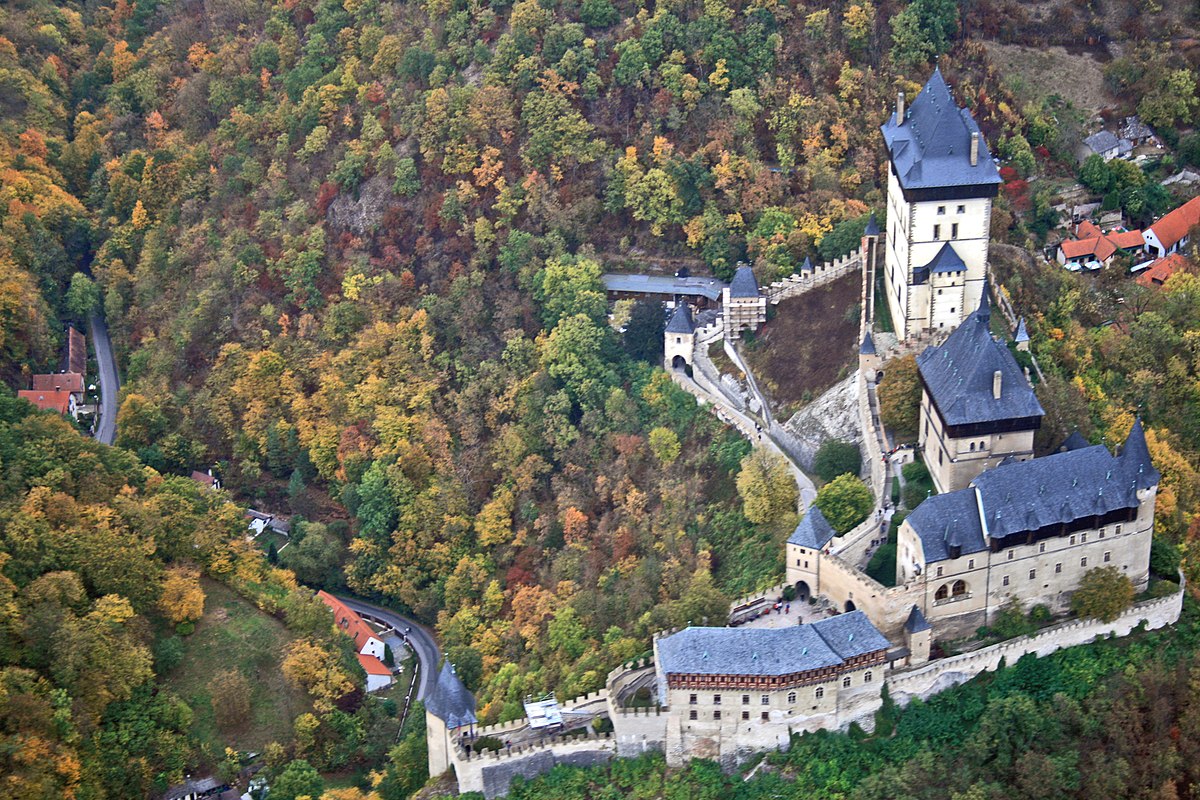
[(853, 546), (887, 607), (926, 681), (492, 772), (638, 730), (799, 283)]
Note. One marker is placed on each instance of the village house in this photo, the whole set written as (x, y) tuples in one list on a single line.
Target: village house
[(62, 402), (1092, 248), (367, 643), (1173, 230), (1105, 144), (1160, 270)]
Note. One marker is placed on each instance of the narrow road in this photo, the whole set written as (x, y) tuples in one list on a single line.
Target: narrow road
[(110, 384), (419, 639)]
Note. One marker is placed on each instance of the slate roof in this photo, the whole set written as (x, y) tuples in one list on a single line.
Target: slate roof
[(1022, 334), (916, 621), (814, 531), (946, 260), (769, 651), (807, 266), (872, 228), (663, 284), (744, 283), (681, 319), (1075, 441), (1136, 457), (931, 146), (1101, 142), (945, 520), (958, 375), (450, 701), (868, 345)]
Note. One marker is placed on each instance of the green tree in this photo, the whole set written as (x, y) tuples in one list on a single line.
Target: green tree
[(1103, 593), (1095, 174), (316, 558), (845, 501), (900, 397), (83, 296), (924, 29), (570, 285), (1171, 99), (664, 443), (767, 487), (836, 457), (298, 779)]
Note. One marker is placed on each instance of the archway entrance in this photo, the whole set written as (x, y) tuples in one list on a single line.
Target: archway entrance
[(679, 362), (850, 606), (802, 590)]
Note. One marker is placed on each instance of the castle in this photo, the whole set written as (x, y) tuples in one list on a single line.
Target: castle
[(1005, 528)]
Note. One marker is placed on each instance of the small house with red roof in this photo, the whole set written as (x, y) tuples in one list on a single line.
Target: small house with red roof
[(1160, 270), (378, 675), (367, 642), (1092, 248), (1171, 231), (60, 401)]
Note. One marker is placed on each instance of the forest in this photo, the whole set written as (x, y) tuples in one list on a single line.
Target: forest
[(350, 254)]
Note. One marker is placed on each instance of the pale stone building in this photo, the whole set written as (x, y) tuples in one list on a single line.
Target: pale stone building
[(977, 407), (449, 714), (1028, 532), (730, 692), (941, 181), (804, 548), (744, 306), (679, 337)]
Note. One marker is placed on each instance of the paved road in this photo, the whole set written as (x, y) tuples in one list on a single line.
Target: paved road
[(419, 639), (110, 384)]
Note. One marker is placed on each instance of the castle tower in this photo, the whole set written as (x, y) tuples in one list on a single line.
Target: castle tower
[(871, 253), (679, 337), (449, 712), (941, 181), (745, 307)]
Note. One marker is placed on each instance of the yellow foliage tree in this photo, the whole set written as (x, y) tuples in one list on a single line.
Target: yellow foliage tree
[(182, 599)]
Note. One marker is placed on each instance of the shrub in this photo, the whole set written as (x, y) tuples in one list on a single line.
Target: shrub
[(1103, 593), (836, 457), (1164, 558), (487, 743)]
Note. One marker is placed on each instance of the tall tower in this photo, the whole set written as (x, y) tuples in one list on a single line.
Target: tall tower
[(941, 181)]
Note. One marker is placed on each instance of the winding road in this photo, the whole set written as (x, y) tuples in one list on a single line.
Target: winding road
[(110, 384), (418, 638)]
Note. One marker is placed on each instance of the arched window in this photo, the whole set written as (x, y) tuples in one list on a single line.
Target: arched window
[(820, 692), (972, 447), (943, 592), (960, 588), (791, 697), (867, 676), (845, 681)]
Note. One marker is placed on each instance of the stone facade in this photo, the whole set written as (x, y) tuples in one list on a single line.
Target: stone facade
[(955, 460)]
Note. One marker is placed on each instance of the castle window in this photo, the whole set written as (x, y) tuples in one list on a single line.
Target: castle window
[(1032, 574), (1082, 538), (791, 697), (954, 231), (692, 699), (939, 458), (867, 676), (939, 572), (1005, 581), (1042, 547), (692, 714), (745, 699), (972, 447), (1057, 568), (962, 210), (952, 310), (1118, 530), (678, 339), (846, 682), (820, 692), (941, 210), (1072, 540), (937, 231), (1083, 561), (717, 714), (765, 716), (1010, 554), (970, 563), (766, 699), (1107, 557), (745, 715), (716, 699), (943, 592), (960, 588), (1102, 533)]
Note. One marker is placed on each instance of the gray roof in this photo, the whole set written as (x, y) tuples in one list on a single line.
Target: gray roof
[(1028, 495), (814, 530), (744, 283), (867, 348), (945, 520), (946, 260), (1022, 334), (681, 319), (1101, 142), (769, 651), (916, 621), (872, 228), (1074, 442), (958, 375), (450, 700), (663, 284), (807, 266), (931, 146)]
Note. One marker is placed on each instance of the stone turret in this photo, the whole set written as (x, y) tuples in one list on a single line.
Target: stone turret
[(449, 712), (679, 338)]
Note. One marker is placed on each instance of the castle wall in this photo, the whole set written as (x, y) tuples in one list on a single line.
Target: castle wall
[(954, 463), (491, 773)]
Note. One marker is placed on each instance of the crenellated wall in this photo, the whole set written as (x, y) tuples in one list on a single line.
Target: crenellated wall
[(492, 772), (801, 282)]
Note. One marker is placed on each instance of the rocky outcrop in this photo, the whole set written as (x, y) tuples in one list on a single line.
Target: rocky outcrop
[(833, 415)]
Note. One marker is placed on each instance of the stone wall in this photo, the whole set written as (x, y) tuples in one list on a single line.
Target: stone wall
[(800, 283), (926, 681), (492, 772)]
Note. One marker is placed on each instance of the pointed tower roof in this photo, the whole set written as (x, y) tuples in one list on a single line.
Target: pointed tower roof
[(681, 320), (931, 146), (1022, 335), (814, 531), (1135, 458), (916, 621), (450, 701), (807, 266), (868, 345), (744, 284), (872, 228)]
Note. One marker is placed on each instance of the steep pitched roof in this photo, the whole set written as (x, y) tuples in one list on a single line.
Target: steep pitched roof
[(1075, 441), (867, 348), (372, 665), (1101, 142), (1174, 225), (807, 266), (814, 531), (958, 375), (946, 260), (348, 620), (59, 382), (872, 228), (1161, 269), (770, 651), (947, 520), (1022, 334), (450, 701), (931, 146), (744, 283), (1135, 458), (916, 621), (681, 319)]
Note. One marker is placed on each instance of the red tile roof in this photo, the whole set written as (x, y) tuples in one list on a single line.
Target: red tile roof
[(347, 620), (1087, 230), (76, 351), (204, 477), (59, 382), (47, 401), (1175, 224), (1103, 245), (373, 665), (1157, 273)]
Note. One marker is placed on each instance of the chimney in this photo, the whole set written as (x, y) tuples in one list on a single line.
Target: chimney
[(974, 149), (996, 384), (899, 108)]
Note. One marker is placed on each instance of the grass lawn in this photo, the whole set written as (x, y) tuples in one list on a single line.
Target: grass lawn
[(233, 634)]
